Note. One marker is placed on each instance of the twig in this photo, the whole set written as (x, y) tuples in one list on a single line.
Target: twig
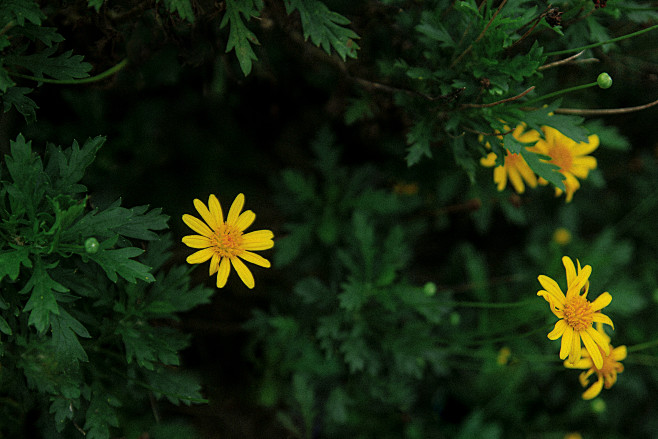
[(599, 112), (560, 62), (493, 104), (504, 133)]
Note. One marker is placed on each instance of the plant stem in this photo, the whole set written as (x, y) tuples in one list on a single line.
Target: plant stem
[(613, 40), (642, 346), (100, 76), (559, 92)]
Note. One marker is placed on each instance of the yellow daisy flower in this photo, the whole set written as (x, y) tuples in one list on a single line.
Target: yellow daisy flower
[(576, 314), (570, 156), (223, 241), (607, 373), (515, 167)]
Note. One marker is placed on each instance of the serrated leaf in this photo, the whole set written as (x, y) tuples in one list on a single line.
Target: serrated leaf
[(176, 386), (101, 415), (183, 7), (6, 83), (19, 11), (29, 180), (11, 261), (324, 27), (96, 4), (240, 37), (418, 139), (570, 126), (42, 302), (65, 330), (132, 223), (120, 262), (47, 35), (67, 167), (16, 97), (147, 345), (172, 294), (4, 326), (62, 409), (64, 67)]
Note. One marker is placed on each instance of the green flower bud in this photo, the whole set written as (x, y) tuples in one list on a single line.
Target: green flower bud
[(604, 80), (92, 245), (430, 288)]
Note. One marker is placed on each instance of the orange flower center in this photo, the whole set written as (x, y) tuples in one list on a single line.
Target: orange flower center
[(578, 313), (227, 241), (561, 156)]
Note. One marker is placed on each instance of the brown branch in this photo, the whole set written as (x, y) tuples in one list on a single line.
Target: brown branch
[(598, 111), (560, 62), (493, 104)]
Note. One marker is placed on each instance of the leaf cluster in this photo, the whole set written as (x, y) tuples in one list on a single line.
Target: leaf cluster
[(78, 319)]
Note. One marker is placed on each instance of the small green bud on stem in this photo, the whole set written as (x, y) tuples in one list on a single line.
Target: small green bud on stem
[(92, 245), (604, 80)]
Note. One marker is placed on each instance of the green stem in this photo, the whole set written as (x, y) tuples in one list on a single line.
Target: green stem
[(642, 346), (488, 304), (591, 46), (504, 338), (105, 74), (559, 92)]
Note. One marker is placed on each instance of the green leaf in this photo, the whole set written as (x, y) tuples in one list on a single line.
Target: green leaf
[(47, 35), (171, 293), (119, 262), (65, 341), (11, 260), (358, 109), (63, 67), (96, 4), (176, 386), (4, 326), (240, 37), (325, 28), (67, 167), (6, 83), (183, 7), (418, 139), (19, 11), (42, 302), (27, 174), (609, 136), (147, 345), (62, 409), (132, 223), (101, 414), (16, 97), (570, 126), (432, 27)]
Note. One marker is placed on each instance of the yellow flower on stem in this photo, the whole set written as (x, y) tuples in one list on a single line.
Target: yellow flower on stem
[(607, 373), (515, 167), (570, 156), (576, 314), (224, 242)]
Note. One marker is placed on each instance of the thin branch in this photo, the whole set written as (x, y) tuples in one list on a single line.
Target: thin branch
[(600, 112), (560, 62), (504, 133), (493, 104)]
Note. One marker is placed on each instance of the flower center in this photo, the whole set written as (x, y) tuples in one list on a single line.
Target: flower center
[(227, 241), (561, 156), (578, 313)]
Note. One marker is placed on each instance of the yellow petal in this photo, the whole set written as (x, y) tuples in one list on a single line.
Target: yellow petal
[(500, 177), (574, 354), (245, 219), (215, 208), (567, 340), (619, 353), (235, 209), (223, 272), (196, 241), (243, 272), (594, 390), (200, 256), (579, 282), (255, 259), (558, 330), (602, 318), (599, 339), (570, 269), (602, 301), (214, 264), (552, 288), (583, 363), (515, 179), (489, 160), (592, 349), (197, 225), (205, 214)]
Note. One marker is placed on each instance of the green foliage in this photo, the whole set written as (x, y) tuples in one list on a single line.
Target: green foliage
[(82, 318), (240, 37)]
